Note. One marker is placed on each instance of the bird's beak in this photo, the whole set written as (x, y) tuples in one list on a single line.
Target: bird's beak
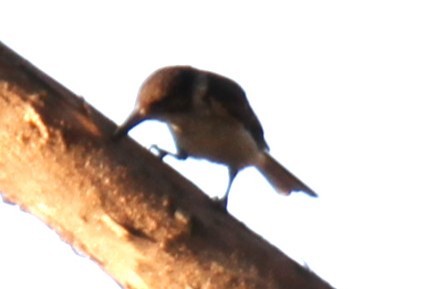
[(135, 118)]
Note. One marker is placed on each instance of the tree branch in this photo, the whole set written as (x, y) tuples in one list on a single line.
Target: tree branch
[(146, 225)]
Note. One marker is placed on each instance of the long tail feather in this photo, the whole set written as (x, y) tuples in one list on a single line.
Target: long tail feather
[(280, 178)]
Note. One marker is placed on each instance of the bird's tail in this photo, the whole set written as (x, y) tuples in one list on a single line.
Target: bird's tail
[(280, 178)]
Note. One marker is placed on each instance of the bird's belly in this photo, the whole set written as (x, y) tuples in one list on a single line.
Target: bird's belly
[(216, 139)]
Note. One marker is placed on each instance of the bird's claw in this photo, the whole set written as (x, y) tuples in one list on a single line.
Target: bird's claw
[(160, 153), (221, 203)]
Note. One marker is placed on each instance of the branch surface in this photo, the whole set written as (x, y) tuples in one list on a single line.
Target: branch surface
[(146, 225)]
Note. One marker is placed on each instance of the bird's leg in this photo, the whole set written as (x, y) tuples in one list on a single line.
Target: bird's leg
[(223, 202), (161, 153)]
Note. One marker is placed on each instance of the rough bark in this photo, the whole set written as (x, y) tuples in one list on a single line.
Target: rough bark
[(145, 225)]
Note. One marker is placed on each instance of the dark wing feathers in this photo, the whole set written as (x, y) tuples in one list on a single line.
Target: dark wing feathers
[(232, 97)]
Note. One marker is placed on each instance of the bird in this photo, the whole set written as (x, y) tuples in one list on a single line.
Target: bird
[(209, 118)]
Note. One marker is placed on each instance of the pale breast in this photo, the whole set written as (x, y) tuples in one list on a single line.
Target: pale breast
[(217, 139)]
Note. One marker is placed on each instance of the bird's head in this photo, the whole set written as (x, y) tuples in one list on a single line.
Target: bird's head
[(167, 91)]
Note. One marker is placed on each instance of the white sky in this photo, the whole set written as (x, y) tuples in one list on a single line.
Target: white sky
[(344, 91)]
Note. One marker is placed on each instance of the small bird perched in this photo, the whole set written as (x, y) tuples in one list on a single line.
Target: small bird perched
[(209, 117)]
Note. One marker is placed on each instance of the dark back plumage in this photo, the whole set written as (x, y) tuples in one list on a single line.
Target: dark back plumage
[(233, 98), (171, 90)]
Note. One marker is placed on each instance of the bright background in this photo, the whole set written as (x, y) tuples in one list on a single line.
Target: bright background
[(344, 91)]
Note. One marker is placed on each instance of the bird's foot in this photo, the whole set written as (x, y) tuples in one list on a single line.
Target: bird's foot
[(221, 204), (161, 153)]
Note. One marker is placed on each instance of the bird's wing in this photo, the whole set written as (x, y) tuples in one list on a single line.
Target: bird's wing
[(232, 98)]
